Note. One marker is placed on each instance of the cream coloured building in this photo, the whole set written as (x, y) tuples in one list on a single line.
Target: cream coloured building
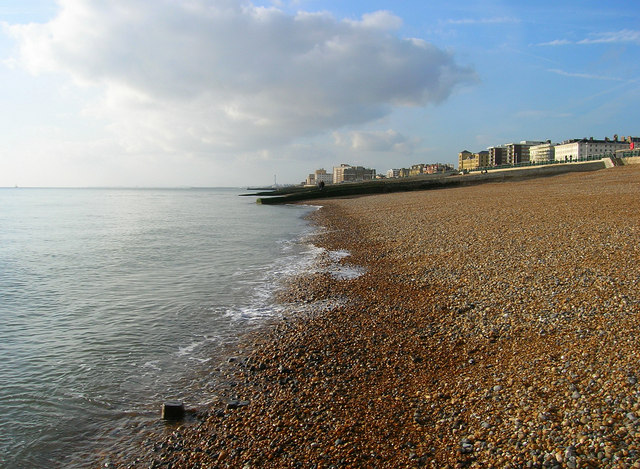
[(584, 149), (542, 153), (470, 161), (348, 173), (320, 175)]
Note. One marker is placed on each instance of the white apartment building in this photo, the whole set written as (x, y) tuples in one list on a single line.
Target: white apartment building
[(583, 149), (542, 153), (325, 177)]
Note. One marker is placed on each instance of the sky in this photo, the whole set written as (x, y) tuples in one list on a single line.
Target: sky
[(182, 93)]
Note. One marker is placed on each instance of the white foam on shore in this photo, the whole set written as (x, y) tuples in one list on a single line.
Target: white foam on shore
[(337, 256), (347, 272), (188, 350), (340, 270)]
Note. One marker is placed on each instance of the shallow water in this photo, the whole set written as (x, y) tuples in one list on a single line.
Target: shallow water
[(114, 300)]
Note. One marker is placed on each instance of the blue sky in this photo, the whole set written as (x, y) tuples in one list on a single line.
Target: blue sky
[(231, 93)]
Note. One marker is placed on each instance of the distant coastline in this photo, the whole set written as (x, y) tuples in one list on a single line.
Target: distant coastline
[(427, 182)]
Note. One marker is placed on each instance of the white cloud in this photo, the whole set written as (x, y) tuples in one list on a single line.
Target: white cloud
[(557, 42), (375, 141), (623, 36), (588, 76), (383, 20), (227, 76), (612, 37), (494, 20)]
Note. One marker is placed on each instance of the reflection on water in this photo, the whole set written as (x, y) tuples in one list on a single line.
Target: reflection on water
[(112, 301)]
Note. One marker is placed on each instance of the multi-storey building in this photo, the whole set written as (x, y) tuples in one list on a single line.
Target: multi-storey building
[(437, 168), (348, 173), (497, 155), (468, 161), (542, 153), (519, 152), (511, 153), (584, 149), (398, 173), (320, 175), (417, 169)]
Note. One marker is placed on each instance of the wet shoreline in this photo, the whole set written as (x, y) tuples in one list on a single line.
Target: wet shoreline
[(494, 326)]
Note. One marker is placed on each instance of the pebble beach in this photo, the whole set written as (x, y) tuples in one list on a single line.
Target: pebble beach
[(495, 325)]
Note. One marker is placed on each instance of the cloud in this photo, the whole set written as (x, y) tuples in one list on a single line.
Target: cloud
[(624, 36), (375, 141), (494, 20), (557, 42), (384, 20), (228, 76), (583, 75)]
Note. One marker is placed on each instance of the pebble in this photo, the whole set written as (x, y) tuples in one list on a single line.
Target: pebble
[(534, 283)]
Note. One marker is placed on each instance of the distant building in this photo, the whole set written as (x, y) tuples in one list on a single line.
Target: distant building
[(634, 142), (466, 160), (438, 168), (632, 145), (469, 161), (511, 153), (348, 173), (585, 149), (398, 173), (416, 169), (519, 152), (497, 154), (542, 153), (320, 175)]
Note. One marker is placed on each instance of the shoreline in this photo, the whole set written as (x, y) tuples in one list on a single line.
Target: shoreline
[(495, 326)]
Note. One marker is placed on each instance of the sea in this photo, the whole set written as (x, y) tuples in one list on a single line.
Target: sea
[(113, 301)]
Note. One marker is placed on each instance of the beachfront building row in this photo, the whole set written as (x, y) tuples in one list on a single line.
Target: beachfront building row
[(419, 169), (584, 149), (544, 152), (340, 174), (398, 173)]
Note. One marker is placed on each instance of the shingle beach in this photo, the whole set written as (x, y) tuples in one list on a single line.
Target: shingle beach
[(494, 326)]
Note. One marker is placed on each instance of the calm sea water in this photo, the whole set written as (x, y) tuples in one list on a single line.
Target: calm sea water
[(112, 300)]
